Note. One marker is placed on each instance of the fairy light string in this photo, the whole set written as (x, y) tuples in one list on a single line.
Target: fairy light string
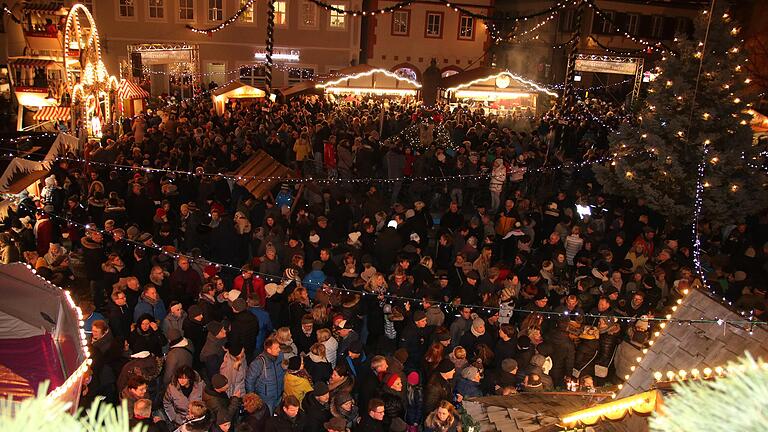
[(268, 277)]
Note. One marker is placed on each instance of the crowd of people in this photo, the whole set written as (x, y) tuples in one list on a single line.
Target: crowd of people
[(415, 272)]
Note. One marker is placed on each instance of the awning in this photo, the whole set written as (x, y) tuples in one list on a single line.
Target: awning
[(44, 8), (49, 113), (131, 90), (30, 63)]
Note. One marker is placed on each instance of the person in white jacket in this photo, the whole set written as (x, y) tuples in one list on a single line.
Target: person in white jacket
[(325, 337), (234, 367)]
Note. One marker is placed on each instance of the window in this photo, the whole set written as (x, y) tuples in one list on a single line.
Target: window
[(632, 23), (186, 10), (466, 27), (156, 9), (253, 75), (281, 15), (338, 19), (247, 15), (400, 22), (434, 26), (296, 76), (607, 26), (215, 10), (681, 26), (657, 26), (308, 16), (126, 9)]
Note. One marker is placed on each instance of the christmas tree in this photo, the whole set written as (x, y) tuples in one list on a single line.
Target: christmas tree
[(672, 138)]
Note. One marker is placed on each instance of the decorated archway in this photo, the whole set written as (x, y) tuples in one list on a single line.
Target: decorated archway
[(407, 70), (87, 80)]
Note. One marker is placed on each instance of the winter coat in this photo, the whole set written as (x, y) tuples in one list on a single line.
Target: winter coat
[(152, 341), (235, 375), (296, 385), (468, 388), (212, 354), (313, 281), (220, 403), (171, 321), (394, 405), (146, 306), (244, 330), (369, 424), (195, 332), (119, 318), (176, 404), (315, 413), (433, 424), (265, 328), (265, 377), (179, 355), (318, 368), (437, 389), (282, 423)]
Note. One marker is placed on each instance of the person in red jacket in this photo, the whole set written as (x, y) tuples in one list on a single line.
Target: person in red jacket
[(247, 284), (329, 155)]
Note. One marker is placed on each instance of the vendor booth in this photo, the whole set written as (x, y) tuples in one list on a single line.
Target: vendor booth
[(37, 83), (368, 80), (498, 90), (234, 90), (132, 98), (41, 338)]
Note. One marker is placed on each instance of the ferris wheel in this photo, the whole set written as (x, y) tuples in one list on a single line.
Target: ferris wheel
[(86, 77)]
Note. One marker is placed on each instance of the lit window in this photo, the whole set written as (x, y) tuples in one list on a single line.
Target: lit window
[(253, 75), (298, 75), (633, 23), (126, 8), (466, 27), (338, 19), (156, 9), (308, 14), (400, 21), (281, 16), (434, 28), (247, 15), (186, 10), (215, 10), (657, 27)]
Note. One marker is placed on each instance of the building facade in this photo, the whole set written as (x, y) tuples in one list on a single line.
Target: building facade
[(537, 49), (406, 40), (153, 35)]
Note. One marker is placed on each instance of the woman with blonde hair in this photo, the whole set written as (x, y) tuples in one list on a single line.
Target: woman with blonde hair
[(320, 316), (287, 347), (325, 337), (444, 419), (316, 363), (256, 412), (298, 304)]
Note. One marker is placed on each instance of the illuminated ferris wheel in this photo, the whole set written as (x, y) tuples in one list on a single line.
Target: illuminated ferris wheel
[(87, 80)]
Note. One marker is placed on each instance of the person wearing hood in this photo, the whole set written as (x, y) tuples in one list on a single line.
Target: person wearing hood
[(180, 354), (265, 375), (185, 387), (175, 318), (212, 354), (218, 402), (343, 405), (539, 366), (146, 336), (317, 408), (469, 383), (233, 367), (150, 304)]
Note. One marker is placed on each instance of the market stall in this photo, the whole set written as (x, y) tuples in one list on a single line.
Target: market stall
[(234, 90), (36, 83), (132, 98), (368, 80), (498, 90)]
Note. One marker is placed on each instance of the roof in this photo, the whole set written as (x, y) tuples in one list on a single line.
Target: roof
[(479, 77), (30, 62), (527, 412), (469, 75), (45, 8), (302, 87), (50, 113), (234, 85), (131, 90), (258, 168), (369, 76), (698, 345)]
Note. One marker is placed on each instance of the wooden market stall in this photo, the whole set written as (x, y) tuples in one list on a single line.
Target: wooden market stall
[(368, 80), (234, 90), (132, 98), (497, 89)]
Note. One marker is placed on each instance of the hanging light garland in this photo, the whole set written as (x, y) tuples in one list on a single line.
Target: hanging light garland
[(10, 13), (617, 52), (658, 46), (226, 23), (356, 12)]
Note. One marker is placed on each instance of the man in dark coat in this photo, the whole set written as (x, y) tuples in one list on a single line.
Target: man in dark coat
[(439, 387), (244, 328), (316, 407), (373, 419), (289, 417), (216, 399), (560, 348), (119, 315), (194, 330), (185, 283), (414, 339)]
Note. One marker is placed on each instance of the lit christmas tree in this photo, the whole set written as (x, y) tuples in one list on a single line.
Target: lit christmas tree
[(671, 147)]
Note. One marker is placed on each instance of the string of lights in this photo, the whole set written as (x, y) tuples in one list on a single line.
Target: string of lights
[(280, 66), (617, 52), (592, 88), (476, 15), (268, 277), (224, 24), (10, 13), (356, 12), (657, 46)]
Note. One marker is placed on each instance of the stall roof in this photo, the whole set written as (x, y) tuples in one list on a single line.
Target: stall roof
[(232, 90), (478, 75), (50, 113), (52, 8), (367, 77), (302, 87), (30, 62), (131, 90)]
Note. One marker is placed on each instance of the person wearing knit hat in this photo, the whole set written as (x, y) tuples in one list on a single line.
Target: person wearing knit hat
[(219, 382), (446, 368), (469, 383), (439, 387), (215, 328)]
